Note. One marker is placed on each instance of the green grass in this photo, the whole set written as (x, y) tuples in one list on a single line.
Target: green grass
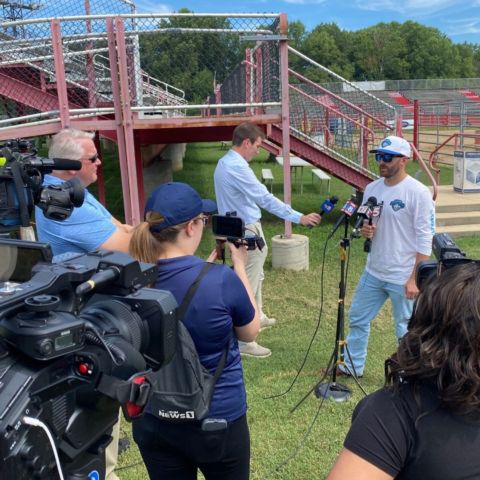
[(294, 299)]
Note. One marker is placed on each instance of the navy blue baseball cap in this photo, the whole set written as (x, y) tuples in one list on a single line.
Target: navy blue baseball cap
[(177, 203)]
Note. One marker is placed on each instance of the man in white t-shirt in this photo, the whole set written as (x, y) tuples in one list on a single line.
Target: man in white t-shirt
[(401, 238)]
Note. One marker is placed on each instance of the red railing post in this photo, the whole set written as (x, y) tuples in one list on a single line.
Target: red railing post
[(248, 80), (285, 100), (416, 127), (60, 73), (134, 170), (258, 79)]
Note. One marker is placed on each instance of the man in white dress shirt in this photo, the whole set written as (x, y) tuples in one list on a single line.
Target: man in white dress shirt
[(238, 190)]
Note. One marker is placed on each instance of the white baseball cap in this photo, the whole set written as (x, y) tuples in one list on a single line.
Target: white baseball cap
[(395, 146)]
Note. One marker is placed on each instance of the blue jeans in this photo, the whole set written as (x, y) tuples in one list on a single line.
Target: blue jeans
[(370, 294)]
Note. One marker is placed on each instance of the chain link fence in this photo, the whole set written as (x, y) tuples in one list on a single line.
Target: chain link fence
[(177, 64), (336, 115)]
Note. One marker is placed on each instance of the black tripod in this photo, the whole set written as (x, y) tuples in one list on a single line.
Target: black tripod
[(332, 389)]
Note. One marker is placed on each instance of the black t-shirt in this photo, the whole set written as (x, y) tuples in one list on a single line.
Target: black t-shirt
[(410, 436)]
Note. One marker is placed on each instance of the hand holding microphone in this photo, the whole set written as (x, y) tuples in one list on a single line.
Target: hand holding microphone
[(327, 206), (365, 212)]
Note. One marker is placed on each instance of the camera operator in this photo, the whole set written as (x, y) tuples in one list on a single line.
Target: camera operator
[(238, 190), (91, 226), (425, 425), (224, 303)]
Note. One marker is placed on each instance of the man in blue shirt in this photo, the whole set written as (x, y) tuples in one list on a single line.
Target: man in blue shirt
[(89, 227), (238, 190)]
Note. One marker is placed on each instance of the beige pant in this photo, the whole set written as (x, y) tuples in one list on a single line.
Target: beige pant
[(254, 267), (111, 452)]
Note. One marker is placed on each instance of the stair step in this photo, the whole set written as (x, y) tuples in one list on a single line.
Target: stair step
[(460, 230), (458, 208), (444, 219)]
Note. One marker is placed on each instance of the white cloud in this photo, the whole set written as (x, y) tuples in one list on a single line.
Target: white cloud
[(305, 2), (463, 26), (151, 6), (407, 6)]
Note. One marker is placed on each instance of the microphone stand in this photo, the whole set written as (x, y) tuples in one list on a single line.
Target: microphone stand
[(332, 389)]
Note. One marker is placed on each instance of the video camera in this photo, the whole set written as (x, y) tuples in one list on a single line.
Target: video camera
[(447, 253), (21, 179), (231, 228), (73, 340)]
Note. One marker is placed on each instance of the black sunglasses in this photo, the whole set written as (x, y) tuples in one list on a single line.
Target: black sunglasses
[(93, 158), (386, 157)]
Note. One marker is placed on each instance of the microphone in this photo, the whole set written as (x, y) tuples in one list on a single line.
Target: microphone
[(98, 279), (328, 205), (348, 210), (47, 164), (376, 211), (364, 213), (66, 164)]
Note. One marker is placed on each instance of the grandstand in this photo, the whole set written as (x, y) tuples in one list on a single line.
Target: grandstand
[(75, 63)]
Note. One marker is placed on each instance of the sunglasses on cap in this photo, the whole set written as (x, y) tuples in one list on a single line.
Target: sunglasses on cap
[(386, 157)]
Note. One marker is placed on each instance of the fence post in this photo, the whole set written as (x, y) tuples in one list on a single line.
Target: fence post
[(285, 99), (60, 73), (416, 128)]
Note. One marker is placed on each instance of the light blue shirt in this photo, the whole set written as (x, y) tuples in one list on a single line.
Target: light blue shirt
[(238, 190), (88, 227)]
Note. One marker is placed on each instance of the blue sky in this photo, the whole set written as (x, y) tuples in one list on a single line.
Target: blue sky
[(459, 19)]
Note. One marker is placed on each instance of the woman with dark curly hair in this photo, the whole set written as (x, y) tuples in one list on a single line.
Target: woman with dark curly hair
[(426, 423)]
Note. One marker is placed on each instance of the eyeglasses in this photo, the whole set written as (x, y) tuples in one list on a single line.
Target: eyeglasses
[(386, 157), (203, 218), (93, 158)]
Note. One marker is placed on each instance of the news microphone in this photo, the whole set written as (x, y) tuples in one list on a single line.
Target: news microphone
[(365, 212), (328, 205), (98, 279), (347, 211), (376, 211)]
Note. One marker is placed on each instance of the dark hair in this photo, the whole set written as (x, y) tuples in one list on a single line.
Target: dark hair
[(442, 345), (145, 245), (245, 131)]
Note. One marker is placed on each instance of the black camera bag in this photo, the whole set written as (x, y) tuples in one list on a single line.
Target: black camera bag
[(183, 388)]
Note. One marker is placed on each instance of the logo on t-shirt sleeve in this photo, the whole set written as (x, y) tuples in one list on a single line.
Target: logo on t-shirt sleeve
[(397, 205)]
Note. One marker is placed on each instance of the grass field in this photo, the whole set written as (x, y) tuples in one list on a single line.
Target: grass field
[(311, 437)]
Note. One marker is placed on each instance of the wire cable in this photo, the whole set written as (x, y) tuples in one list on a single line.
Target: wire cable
[(307, 353), (35, 422)]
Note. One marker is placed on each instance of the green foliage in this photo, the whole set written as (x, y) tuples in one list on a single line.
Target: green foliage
[(190, 60), (385, 51)]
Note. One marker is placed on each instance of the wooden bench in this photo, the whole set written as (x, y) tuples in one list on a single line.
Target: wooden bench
[(267, 178), (321, 175)]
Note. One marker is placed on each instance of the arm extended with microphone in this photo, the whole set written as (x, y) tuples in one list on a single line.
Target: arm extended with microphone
[(327, 206)]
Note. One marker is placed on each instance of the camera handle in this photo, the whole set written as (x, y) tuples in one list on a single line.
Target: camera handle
[(132, 394)]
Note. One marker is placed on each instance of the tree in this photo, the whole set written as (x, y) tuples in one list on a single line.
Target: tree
[(191, 60)]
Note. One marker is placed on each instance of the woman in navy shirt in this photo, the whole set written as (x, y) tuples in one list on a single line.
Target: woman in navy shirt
[(223, 304)]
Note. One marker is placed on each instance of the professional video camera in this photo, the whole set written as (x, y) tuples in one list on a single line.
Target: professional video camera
[(232, 229), (21, 178), (73, 340), (447, 253)]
